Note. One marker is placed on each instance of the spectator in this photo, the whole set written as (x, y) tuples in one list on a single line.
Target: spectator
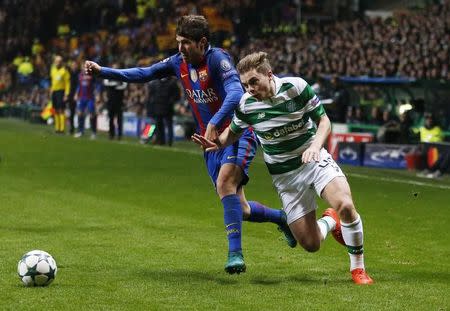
[(115, 93), (405, 132), (341, 99), (375, 116), (430, 132), (74, 73), (85, 97), (360, 117), (25, 72), (163, 94)]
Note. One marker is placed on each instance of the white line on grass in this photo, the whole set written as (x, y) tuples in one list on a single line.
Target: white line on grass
[(401, 181), (357, 175)]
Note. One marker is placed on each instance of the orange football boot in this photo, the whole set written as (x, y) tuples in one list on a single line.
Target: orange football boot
[(361, 277)]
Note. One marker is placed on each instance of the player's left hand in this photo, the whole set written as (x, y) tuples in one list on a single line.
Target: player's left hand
[(206, 144), (211, 133), (311, 154)]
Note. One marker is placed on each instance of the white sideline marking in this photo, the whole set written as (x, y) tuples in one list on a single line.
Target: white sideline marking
[(401, 181), (357, 175)]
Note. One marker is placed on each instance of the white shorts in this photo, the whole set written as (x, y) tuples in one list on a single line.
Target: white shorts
[(298, 188)]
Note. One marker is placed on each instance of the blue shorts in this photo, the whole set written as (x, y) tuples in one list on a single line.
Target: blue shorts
[(86, 103), (240, 153)]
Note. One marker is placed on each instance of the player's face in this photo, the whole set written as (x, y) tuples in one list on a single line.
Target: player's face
[(191, 51), (259, 85), (58, 61)]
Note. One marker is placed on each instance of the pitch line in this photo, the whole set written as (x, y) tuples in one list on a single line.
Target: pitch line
[(400, 181), (357, 175)]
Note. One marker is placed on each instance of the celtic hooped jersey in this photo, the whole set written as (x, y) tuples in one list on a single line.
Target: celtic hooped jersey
[(283, 123)]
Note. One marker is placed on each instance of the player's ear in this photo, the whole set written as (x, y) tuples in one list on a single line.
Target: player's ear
[(203, 42), (270, 74)]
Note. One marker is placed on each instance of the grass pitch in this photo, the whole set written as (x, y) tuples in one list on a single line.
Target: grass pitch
[(135, 227)]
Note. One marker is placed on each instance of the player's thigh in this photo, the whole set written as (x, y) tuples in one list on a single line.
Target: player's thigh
[(230, 174), (241, 153), (306, 231), (91, 106), (81, 106), (235, 160)]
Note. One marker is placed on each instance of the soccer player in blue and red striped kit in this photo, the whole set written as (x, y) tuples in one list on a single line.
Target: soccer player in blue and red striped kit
[(213, 89), (85, 97)]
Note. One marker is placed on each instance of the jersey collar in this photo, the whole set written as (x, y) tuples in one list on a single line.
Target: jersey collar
[(278, 84)]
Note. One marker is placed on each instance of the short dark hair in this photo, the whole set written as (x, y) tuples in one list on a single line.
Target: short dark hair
[(193, 27)]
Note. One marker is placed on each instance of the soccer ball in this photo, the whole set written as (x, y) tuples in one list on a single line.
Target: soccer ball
[(37, 268)]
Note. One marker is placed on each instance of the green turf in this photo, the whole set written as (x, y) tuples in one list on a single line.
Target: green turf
[(134, 227)]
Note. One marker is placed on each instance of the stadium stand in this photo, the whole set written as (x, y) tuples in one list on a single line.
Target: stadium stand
[(409, 44)]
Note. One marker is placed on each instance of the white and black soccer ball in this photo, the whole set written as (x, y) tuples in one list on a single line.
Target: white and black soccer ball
[(37, 268)]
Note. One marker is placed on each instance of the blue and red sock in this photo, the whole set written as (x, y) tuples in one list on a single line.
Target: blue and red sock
[(262, 213), (233, 221)]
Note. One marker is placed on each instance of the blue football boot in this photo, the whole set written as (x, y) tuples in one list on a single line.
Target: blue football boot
[(288, 236), (235, 263)]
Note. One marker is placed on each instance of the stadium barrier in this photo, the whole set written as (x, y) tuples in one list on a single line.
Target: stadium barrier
[(411, 157), (27, 112), (387, 155), (375, 155), (336, 138)]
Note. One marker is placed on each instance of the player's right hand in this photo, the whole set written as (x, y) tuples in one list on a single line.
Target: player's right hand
[(206, 144), (91, 68)]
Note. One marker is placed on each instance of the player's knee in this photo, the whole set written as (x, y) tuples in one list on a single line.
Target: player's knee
[(346, 209), (310, 246), (225, 187), (226, 184)]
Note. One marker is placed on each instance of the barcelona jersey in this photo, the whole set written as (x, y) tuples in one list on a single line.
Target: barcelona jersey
[(212, 88), (86, 87)]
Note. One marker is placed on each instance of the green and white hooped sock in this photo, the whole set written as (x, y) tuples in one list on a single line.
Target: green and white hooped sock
[(326, 224), (353, 238)]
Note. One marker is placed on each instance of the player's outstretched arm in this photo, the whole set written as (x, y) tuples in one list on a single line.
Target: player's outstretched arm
[(91, 68)]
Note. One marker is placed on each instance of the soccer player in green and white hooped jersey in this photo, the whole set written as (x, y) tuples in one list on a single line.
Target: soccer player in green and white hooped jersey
[(292, 127)]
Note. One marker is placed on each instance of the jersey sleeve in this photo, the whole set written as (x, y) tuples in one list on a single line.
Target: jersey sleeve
[(140, 74), (313, 107), (226, 73), (238, 124)]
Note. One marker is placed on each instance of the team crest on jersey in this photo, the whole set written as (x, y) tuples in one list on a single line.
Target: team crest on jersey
[(193, 74), (203, 75), (290, 106), (225, 65), (261, 115)]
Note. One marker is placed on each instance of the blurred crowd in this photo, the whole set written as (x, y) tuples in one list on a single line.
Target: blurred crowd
[(138, 33), (409, 44)]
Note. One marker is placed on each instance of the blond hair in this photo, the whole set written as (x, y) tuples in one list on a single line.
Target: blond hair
[(256, 60)]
